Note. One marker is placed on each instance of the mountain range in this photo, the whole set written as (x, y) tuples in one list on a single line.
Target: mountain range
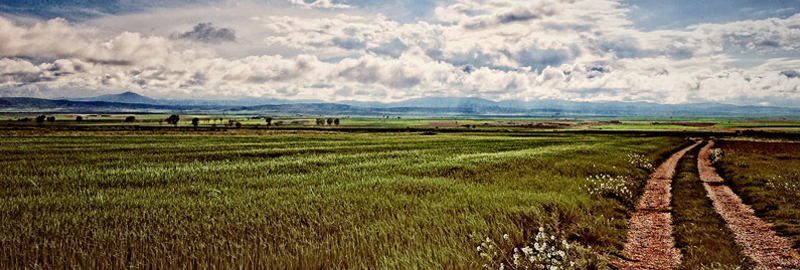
[(430, 106)]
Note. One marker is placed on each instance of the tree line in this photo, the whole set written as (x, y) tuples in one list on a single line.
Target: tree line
[(174, 119)]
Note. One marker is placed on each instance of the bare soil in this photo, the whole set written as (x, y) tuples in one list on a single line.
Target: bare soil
[(759, 242), (650, 244)]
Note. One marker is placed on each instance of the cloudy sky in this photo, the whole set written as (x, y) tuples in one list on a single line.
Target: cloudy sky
[(732, 51)]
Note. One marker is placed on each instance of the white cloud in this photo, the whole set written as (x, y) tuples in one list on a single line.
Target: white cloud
[(327, 4), (572, 49)]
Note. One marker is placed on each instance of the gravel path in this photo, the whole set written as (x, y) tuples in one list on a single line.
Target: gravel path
[(650, 244), (759, 242)]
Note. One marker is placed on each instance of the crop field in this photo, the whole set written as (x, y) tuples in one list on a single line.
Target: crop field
[(457, 123), (310, 200), (767, 177)]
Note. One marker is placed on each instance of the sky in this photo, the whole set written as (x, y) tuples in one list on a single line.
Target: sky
[(731, 51)]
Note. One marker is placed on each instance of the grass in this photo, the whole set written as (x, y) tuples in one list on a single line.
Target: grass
[(700, 233), (756, 125), (304, 200), (476, 123), (767, 177), (648, 127)]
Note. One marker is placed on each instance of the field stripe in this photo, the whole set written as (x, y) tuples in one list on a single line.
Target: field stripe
[(650, 244), (759, 242)]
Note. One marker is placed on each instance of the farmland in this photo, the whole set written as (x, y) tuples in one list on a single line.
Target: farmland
[(312, 199), (767, 175)]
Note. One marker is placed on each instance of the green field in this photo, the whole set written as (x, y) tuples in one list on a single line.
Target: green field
[(767, 177), (450, 123), (644, 127), (308, 200)]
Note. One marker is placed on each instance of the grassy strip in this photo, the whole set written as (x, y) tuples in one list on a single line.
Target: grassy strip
[(766, 176), (700, 233)]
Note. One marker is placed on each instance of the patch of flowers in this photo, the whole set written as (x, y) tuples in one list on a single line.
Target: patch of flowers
[(640, 161), (547, 251), (715, 154), (783, 186), (605, 185)]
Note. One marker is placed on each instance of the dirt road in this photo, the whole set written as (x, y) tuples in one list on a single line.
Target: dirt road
[(759, 242), (650, 244)]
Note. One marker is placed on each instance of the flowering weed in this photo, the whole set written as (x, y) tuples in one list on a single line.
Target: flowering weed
[(640, 161), (616, 187), (547, 251)]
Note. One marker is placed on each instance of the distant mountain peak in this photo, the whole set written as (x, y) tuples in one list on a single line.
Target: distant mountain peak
[(126, 97), (129, 93)]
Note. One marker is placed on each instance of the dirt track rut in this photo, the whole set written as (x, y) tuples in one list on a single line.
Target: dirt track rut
[(650, 244), (759, 242)]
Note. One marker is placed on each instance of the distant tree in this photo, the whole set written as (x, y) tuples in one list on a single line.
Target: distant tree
[(78, 118), (195, 121), (320, 122), (269, 121), (40, 119), (238, 125), (26, 119), (51, 119), (174, 119), (330, 121), (336, 121), (130, 119)]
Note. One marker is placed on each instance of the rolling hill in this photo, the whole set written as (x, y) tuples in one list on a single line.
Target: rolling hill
[(430, 106)]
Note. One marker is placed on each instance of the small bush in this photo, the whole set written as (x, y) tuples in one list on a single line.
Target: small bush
[(715, 155)]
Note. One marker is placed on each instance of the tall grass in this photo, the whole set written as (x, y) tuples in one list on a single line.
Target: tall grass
[(303, 201)]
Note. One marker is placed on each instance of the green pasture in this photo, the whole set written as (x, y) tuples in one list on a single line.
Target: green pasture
[(310, 200)]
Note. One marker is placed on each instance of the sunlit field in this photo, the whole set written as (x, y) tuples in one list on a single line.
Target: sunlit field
[(457, 123), (767, 175), (309, 200)]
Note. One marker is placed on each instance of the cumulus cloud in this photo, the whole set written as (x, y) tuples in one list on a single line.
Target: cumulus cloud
[(208, 33), (56, 39), (763, 35), (498, 49), (326, 4)]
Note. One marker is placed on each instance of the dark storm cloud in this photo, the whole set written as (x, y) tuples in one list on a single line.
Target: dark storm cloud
[(514, 15), (206, 32), (522, 15), (790, 73)]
